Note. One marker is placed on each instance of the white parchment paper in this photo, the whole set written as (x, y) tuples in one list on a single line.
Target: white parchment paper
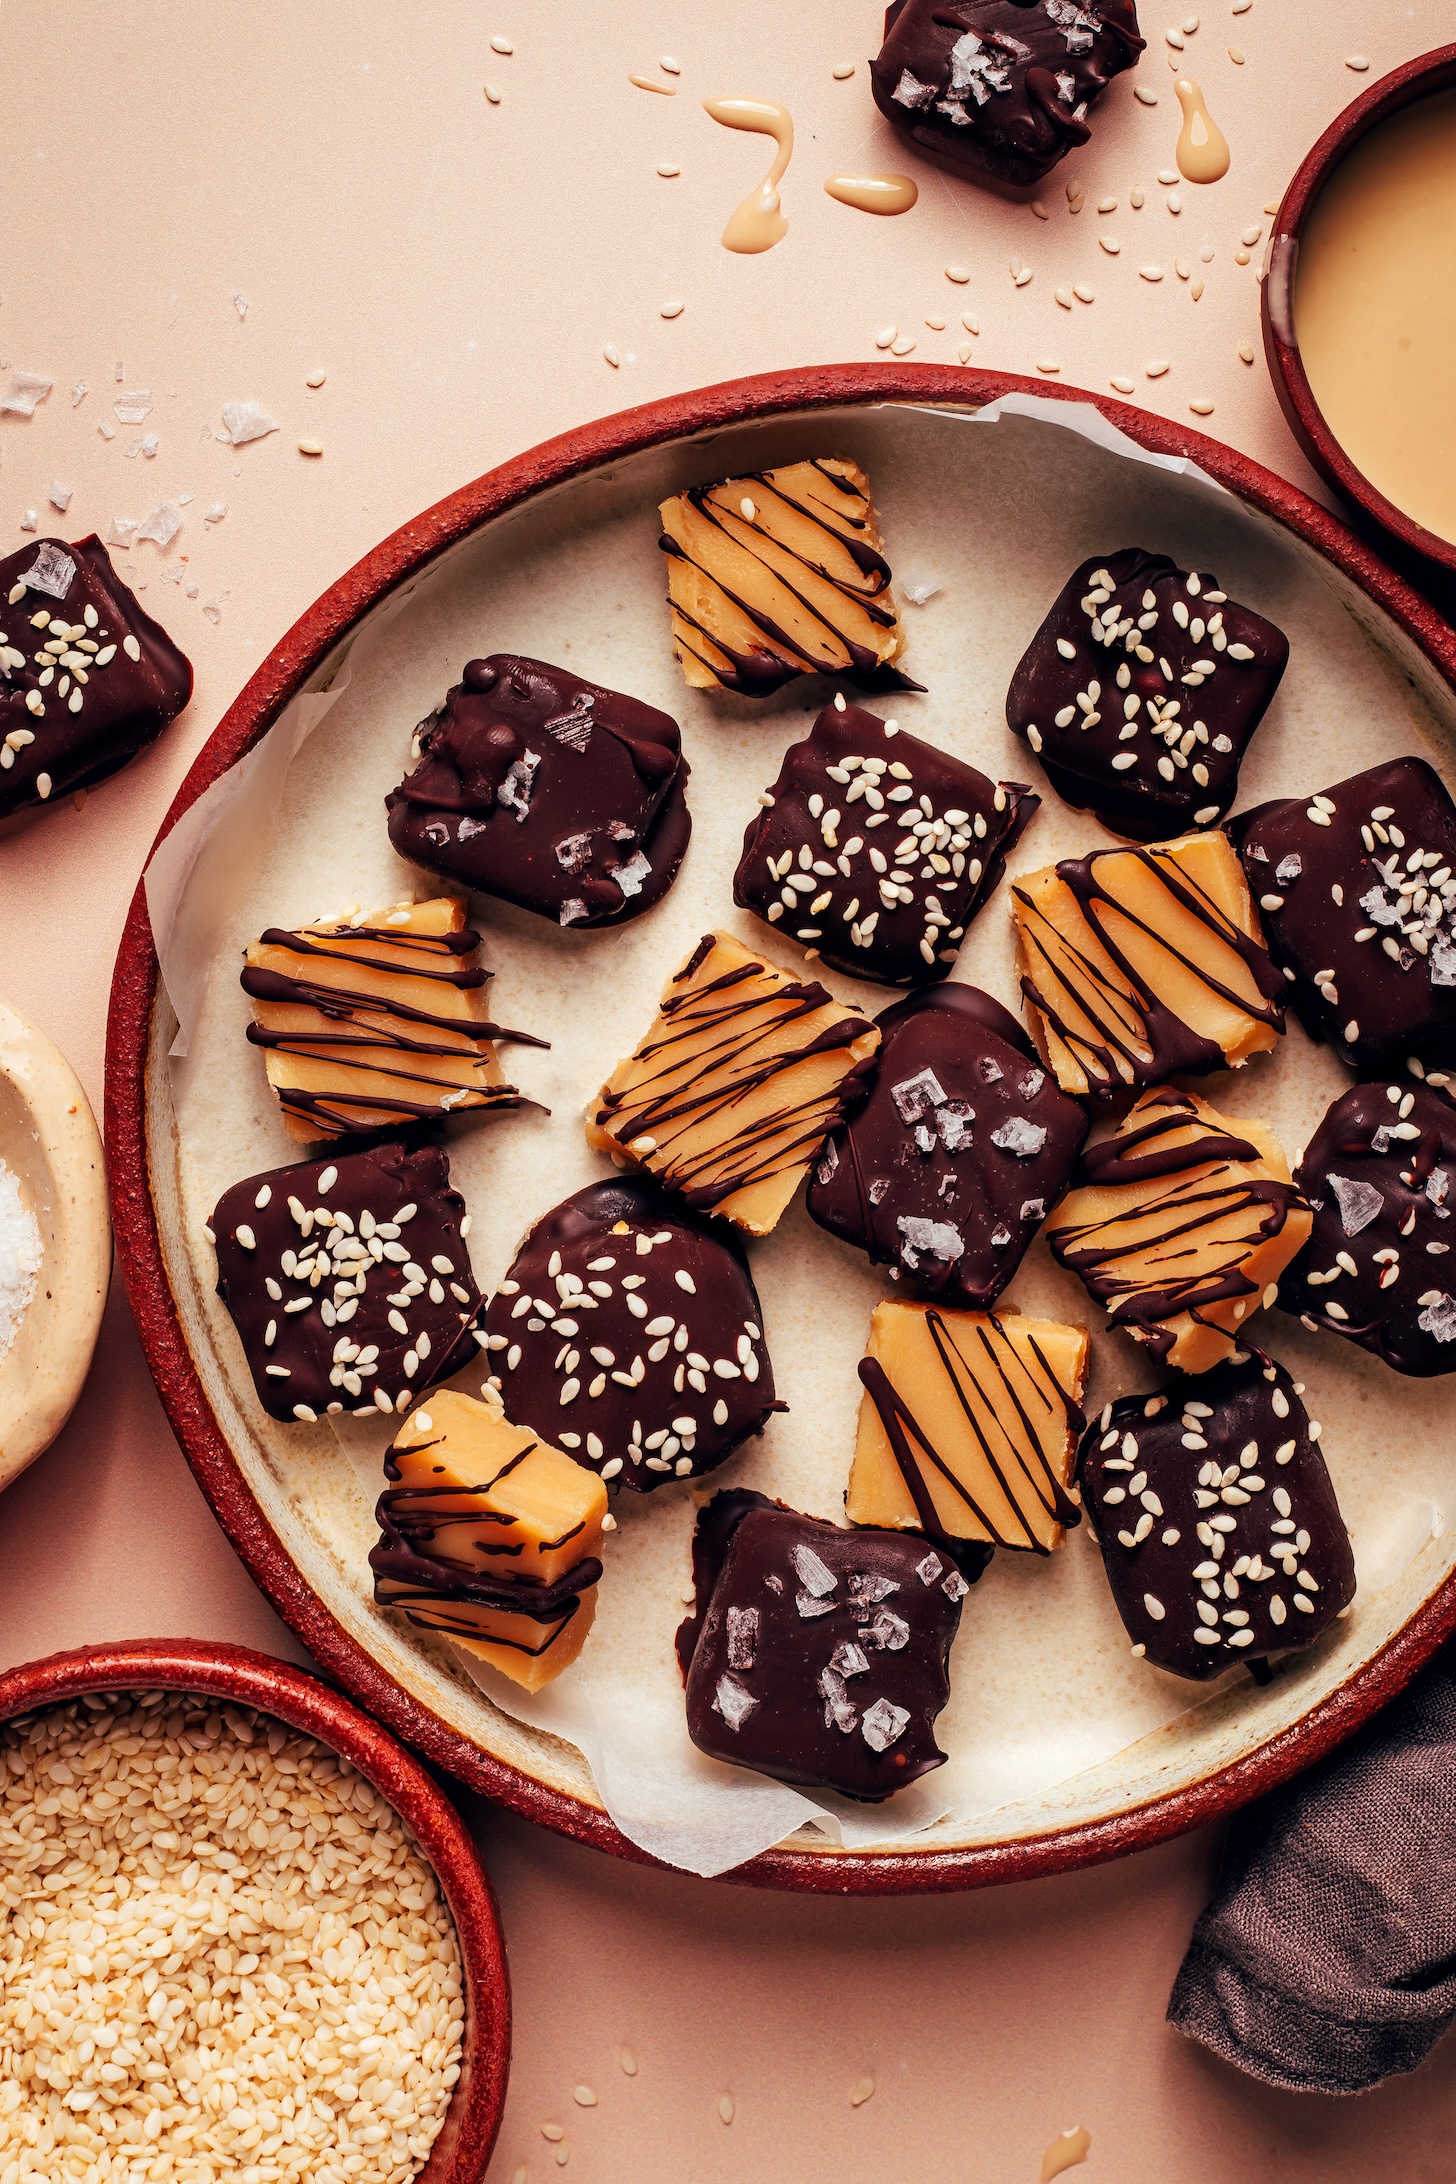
[(992, 521)]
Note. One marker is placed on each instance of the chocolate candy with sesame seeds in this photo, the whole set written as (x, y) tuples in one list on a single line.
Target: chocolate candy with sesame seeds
[(1220, 1532), (1000, 90), (87, 679), (1141, 690), (1357, 888), (348, 1281), (876, 850), (547, 791), (629, 1332), (816, 1655), (1380, 1174), (959, 1151)]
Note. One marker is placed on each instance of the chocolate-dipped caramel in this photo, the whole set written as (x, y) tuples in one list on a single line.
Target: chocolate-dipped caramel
[(546, 790), (961, 1146), (1357, 886), (731, 1093), (1181, 1223), (968, 1429), (376, 1020), (876, 849), (1000, 90), (1141, 690), (348, 1280), (87, 678), (778, 574), (1142, 964), (1220, 1533), (813, 1654), (1380, 1175), (491, 1536), (629, 1330)]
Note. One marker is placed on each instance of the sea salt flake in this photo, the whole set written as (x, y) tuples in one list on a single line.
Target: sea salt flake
[(79, 393), (1033, 1209), (1442, 961), (828, 1166), (910, 91), (574, 729), (1379, 907), (60, 495), (955, 1586), (882, 1724), (850, 1660), (1380, 1142), (1438, 1183), (889, 1632), (52, 572), (572, 911), (839, 1710), (1000, 1236), (1031, 1083), (162, 525), (815, 1576), (215, 513), (630, 876), (122, 530), (733, 1702), (929, 1570), (915, 1095), (26, 389), (247, 421), (1439, 1319), (866, 1587), (953, 1123), (742, 1637), (212, 611), (514, 793), (1018, 1136), (131, 407), (878, 1189), (240, 305), (991, 1071), (573, 853), (928, 1239), (1288, 868), (1360, 1203), (808, 1606)]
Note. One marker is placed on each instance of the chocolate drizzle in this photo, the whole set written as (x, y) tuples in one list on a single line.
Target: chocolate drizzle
[(1117, 1029), (771, 575), (1002, 1382), (724, 1038), (381, 1026), (1207, 1196), (415, 1573)]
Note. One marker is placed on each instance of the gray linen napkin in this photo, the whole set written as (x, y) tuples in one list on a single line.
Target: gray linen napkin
[(1326, 1960)]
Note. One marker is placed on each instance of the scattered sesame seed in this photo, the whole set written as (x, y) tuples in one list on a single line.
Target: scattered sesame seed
[(310, 447), (842, 72), (902, 345), (1046, 365), (860, 2092), (492, 92), (1156, 366), (672, 309), (670, 66), (936, 325), (584, 2096), (885, 336), (1358, 62), (1123, 386), (1151, 272), (613, 355), (628, 2062), (315, 379), (960, 274), (725, 2107), (1039, 210), (1237, 55), (1143, 95), (972, 326), (667, 171), (1201, 406), (647, 83), (1110, 244), (1246, 351)]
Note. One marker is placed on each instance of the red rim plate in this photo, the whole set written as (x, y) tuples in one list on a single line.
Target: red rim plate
[(134, 993), (1417, 79), (236, 1674)]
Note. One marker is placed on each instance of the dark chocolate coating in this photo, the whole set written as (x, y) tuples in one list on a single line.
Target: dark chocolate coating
[(1233, 1538), (1380, 1173), (357, 1309), (917, 1178), (893, 954), (1000, 90), (1336, 908), (788, 1607), (548, 791), (86, 729), (713, 1331), (1190, 672)]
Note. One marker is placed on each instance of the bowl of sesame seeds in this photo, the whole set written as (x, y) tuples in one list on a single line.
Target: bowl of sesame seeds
[(245, 1935), (558, 550)]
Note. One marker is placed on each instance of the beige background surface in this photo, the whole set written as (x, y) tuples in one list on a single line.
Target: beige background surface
[(456, 267)]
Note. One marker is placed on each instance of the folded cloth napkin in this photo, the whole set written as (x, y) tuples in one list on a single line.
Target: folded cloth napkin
[(1327, 1958)]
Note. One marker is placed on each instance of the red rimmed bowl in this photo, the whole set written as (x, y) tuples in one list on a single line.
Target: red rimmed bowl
[(1415, 80), (241, 1677), (1244, 1743)]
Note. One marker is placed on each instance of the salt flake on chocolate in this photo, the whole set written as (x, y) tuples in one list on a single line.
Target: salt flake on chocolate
[(733, 1702), (51, 572), (882, 1724), (916, 1095), (1018, 1136), (928, 1239), (742, 1637), (1439, 1319), (629, 876), (813, 1575), (1360, 1203)]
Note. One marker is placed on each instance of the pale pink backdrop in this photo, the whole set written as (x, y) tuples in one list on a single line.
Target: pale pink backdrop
[(457, 267)]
